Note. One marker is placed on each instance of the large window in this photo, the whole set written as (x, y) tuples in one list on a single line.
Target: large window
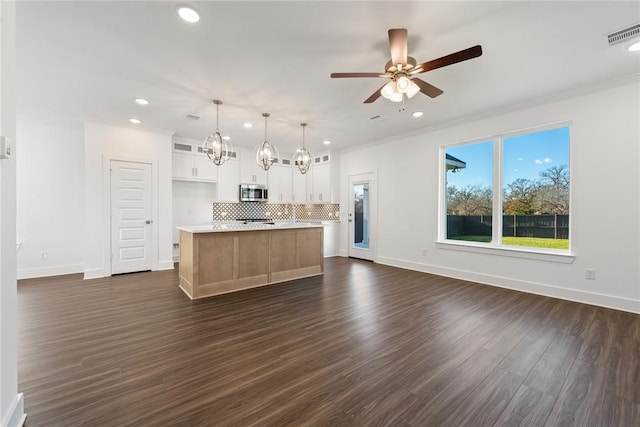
[(523, 176)]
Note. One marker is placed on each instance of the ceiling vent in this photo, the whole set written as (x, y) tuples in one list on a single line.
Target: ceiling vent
[(192, 117), (624, 35), (377, 116)]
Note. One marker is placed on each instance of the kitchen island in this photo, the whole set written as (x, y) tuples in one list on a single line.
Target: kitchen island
[(230, 256)]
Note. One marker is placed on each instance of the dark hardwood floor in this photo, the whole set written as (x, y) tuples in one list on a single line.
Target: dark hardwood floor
[(364, 345)]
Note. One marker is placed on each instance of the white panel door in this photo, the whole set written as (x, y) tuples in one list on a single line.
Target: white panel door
[(131, 223)]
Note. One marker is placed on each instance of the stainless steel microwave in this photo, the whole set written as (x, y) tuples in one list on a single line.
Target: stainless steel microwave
[(253, 193)]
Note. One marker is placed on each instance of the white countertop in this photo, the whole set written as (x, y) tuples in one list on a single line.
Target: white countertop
[(218, 227)]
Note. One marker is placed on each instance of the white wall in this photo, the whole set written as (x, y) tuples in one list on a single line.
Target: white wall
[(102, 143), (50, 198), (192, 204), (11, 402), (605, 197)]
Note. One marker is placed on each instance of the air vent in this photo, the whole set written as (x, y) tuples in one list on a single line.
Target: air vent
[(624, 35), (286, 161), (182, 147), (377, 116), (192, 117)]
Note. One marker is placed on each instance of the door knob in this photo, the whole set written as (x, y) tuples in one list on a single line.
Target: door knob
[(149, 221)]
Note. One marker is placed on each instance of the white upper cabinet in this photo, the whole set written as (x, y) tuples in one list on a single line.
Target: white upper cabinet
[(229, 181), (250, 172), (319, 180), (280, 186), (189, 162), (299, 186)]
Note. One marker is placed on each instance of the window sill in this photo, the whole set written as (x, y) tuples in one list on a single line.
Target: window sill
[(528, 253)]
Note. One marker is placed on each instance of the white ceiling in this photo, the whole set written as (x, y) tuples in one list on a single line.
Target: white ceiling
[(88, 60)]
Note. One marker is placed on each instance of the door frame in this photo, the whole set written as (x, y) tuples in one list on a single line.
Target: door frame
[(106, 209), (372, 179)]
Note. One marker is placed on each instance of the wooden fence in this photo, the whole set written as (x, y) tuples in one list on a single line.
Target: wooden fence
[(544, 226)]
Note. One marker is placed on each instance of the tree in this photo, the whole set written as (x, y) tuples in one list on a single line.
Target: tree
[(519, 197), (469, 200), (553, 190)]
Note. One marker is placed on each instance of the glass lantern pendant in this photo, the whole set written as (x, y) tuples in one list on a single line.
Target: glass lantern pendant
[(217, 149), (266, 153), (302, 157)]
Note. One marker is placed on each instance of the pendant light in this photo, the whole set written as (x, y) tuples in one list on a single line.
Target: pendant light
[(266, 153), (217, 149), (302, 157)]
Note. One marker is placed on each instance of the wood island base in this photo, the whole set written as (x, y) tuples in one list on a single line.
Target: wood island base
[(220, 262)]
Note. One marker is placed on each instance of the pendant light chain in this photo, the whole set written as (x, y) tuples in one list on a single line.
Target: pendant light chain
[(217, 116)]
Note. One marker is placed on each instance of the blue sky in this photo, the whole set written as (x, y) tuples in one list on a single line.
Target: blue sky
[(524, 156)]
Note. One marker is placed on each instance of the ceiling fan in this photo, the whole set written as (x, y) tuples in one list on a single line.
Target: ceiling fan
[(402, 70)]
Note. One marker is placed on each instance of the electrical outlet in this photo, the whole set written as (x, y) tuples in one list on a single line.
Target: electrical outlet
[(590, 274), (43, 255)]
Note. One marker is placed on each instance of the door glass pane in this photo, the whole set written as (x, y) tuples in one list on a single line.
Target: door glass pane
[(361, 216), (469, 186)]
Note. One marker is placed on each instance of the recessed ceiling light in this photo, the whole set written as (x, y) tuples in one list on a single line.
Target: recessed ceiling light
[(635, 47), (142, 101), (226, 137), (326, 142), (134, 121), (247, 125), (417, 114), (188, 14)]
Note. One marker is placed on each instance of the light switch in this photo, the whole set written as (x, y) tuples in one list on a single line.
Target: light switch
[(6, 148)]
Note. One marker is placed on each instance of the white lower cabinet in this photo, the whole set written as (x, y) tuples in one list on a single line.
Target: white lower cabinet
[(331, 238)]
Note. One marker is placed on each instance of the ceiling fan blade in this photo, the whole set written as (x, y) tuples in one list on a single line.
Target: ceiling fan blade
[(453, 58), (375, 96), (398, 45), (343, 75), (427, 89)]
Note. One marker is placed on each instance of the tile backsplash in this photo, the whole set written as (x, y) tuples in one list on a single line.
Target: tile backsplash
[(223, 211)]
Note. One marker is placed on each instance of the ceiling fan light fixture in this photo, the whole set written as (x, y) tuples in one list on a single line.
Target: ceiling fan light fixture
[(302, 156), (215, 146), (388, 90), (403, 84), (396, 97), (412, 90), (266, 153)]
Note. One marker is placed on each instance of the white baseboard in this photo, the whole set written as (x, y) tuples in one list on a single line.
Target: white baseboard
[(165, 265), (31, 273), (94, 273), (592, 298), (15, 416)]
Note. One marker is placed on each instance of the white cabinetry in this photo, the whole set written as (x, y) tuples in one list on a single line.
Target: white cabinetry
[(319, 180), (250, 172), (229, 181), (279, 182), (299, 186), (189, 162)]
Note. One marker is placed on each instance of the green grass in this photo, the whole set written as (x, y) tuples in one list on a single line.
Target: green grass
[(531, 242)]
